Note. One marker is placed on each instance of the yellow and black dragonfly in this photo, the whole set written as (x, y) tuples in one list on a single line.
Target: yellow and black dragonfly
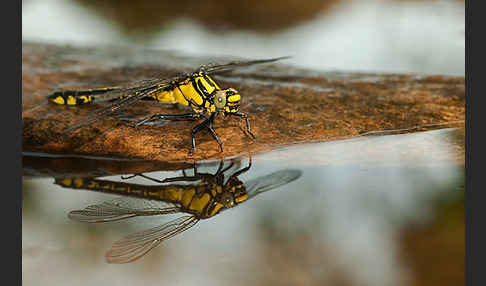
[(197, 90), (211, 195)]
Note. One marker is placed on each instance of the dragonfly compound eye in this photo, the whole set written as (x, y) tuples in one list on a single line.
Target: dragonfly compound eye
[(220, 100), (227, 200)]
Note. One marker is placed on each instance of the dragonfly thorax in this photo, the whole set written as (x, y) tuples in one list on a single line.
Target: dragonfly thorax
[(205, 95)]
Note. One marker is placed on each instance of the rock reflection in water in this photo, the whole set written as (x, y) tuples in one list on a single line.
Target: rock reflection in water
[(364, 212)]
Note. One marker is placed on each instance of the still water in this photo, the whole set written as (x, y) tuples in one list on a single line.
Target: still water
[(341, 219)]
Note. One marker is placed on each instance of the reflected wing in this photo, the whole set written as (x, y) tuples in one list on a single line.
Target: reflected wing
[(272, 181), (135, 94), (217, 68), (122, 208), (134, 246)]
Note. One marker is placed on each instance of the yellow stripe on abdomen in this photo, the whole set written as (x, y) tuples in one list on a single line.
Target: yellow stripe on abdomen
[(70, 99), (170, 193), (199, 203)]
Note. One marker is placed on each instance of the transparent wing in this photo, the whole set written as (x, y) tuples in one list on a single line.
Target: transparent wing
[(217, 68), (134, 246), (135, 94), (122, 208), (272, 181), (129, 89), (140, 85)]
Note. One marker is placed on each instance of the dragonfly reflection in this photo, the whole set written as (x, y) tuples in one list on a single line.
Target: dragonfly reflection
[(208, 196)]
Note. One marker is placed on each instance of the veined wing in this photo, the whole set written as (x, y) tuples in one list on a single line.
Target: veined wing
[(122, 208), (134, 94), (131, 88), (134, 246), (272, 181), (217, 68)]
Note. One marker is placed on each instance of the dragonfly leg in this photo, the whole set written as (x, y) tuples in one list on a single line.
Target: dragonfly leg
[(236, 174), (169, 117), (166, 180), (228, 167), (143, 176), (185, 177), (129, 177), (243, 115), (182, 179), (220, 166), (208, 123), (213, 133)]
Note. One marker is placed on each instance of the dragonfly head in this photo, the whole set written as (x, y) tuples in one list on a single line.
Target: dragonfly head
[(233, 194), (227, 200), (227, 100)]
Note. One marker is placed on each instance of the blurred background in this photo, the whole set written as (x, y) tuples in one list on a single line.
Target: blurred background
[(397, 36)]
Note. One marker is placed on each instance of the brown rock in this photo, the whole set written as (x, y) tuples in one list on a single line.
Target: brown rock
[(285, 105)]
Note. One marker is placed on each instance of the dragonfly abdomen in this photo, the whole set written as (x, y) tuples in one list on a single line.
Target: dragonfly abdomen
[(78, 97), (134, 190), (187, 197)]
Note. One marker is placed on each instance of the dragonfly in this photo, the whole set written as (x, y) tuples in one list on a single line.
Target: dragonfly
[(198, 196), (196, 90)]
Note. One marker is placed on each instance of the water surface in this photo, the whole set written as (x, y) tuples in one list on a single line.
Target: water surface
[(344, 221)]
